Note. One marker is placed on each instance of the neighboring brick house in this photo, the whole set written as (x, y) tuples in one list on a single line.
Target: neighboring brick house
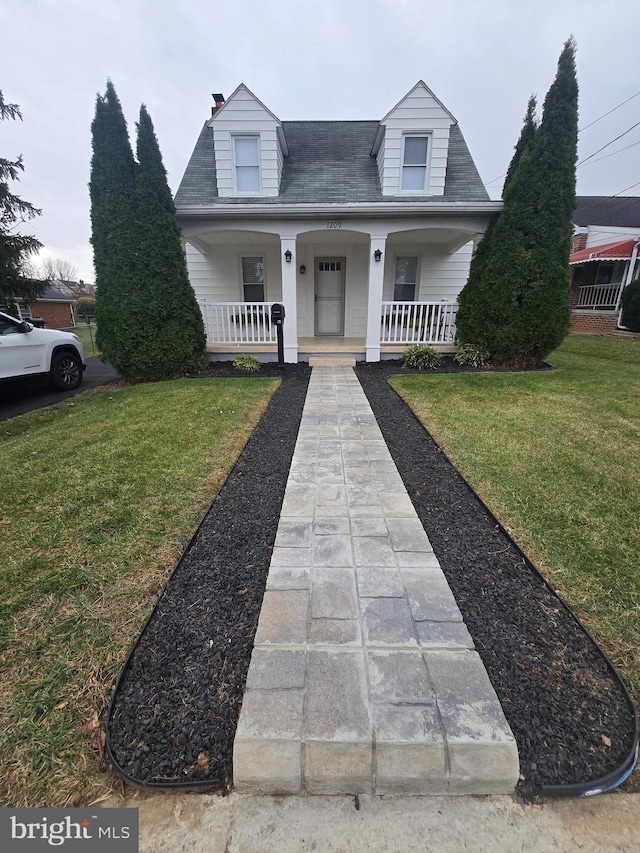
[(604, 259), (56, 305), (364, 230)]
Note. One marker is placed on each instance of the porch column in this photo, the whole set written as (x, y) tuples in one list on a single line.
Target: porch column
[(289, 299), (374, 305)]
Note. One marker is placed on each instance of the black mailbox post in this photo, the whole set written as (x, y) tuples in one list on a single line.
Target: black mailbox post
[(277, 318)]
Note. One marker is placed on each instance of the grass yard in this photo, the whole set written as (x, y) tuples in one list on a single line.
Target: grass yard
[(555, 456), (87, 335), (100, 495)]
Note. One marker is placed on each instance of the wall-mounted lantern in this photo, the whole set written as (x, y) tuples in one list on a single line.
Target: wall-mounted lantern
[(377, 255), (303, 269), (288, 256)]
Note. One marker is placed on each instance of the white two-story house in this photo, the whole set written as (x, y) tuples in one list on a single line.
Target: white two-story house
[(364, 230)]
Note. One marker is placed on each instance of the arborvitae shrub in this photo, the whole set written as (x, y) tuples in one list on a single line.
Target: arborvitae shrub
[(516, 301), (631, 306)]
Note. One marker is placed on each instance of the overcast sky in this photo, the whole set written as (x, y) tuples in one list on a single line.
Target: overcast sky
[(305, 59)]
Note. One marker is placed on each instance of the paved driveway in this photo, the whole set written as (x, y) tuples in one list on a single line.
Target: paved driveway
[(18, 398)]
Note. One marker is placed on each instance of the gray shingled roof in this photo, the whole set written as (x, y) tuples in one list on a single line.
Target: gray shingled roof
[(329, 161), (621, 212)]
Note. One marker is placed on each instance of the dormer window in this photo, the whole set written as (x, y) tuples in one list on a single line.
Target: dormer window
[(414, 163), (246, 160)]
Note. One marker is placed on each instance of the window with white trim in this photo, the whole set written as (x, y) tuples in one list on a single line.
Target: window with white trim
[(253, 279), (246, 163), (406, 276), (414, 163)]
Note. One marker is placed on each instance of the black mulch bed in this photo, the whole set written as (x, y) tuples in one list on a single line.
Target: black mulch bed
[(555, 687), (174, 713)]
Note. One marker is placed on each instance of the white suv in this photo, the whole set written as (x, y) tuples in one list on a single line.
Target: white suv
[(29, 352)]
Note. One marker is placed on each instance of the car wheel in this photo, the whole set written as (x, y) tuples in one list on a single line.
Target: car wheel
[(66, 371)]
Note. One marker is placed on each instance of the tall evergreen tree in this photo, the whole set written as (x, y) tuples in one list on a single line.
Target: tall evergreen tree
[(170, 338), (475, 312), (516, 302), (15, 249), (524, 145), (149, 323), (113, 211)]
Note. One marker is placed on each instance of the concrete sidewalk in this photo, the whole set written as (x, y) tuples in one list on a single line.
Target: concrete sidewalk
[(248, 824), (363, 677)]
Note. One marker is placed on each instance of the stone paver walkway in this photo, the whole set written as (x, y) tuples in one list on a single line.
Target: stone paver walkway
[(363, 677)]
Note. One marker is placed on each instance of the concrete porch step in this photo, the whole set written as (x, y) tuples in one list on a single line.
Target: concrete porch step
[(331, 361)]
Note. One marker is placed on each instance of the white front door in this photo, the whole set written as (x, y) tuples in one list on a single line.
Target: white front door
[(329, 296)]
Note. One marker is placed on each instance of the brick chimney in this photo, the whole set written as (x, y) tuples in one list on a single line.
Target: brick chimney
[(219, 99), (578, 242)]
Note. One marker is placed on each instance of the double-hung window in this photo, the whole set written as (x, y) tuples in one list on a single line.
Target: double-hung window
[(246, 163), (404, 289), (253, 279), (414, 163)]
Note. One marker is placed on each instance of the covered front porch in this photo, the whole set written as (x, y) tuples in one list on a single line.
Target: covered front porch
[(366, 288)]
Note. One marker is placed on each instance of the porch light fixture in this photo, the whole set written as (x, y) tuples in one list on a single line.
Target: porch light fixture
[(288, 256), (303, 269), (377, 255)]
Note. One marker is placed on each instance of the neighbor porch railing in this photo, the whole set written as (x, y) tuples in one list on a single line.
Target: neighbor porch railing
[(418, 322), (600, 296), (238, 322)]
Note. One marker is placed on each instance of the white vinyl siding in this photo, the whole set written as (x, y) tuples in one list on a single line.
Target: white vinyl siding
[(244, 115), (217, 276), (246, 160), (418, 114), (441, 276)]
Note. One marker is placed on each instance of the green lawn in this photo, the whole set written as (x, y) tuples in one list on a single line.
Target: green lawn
[(99, 497), (555, 455), (87, 335)]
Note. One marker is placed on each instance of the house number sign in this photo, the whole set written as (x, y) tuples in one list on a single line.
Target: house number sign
[(334, 223)]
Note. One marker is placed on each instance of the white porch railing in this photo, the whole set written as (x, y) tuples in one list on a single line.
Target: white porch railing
[(238, 322), (402, 322), (605, 297), (418, 322)]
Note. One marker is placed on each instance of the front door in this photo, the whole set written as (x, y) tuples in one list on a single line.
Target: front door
[(329, 296)]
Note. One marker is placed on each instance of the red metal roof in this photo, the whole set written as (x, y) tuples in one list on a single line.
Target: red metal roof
[(618, 251)]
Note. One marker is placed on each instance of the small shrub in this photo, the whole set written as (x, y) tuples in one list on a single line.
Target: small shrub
[(246, 363), (631, 306), (421, 357), (472, 355)]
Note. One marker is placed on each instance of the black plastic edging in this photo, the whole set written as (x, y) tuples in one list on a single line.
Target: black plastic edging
[(196, 784), (617, 777)]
